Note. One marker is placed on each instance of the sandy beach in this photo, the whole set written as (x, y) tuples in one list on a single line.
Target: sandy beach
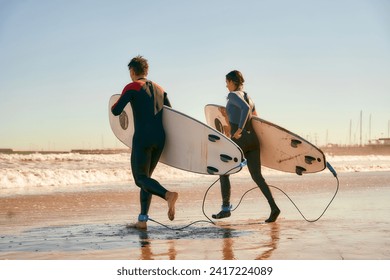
[(91, 224)]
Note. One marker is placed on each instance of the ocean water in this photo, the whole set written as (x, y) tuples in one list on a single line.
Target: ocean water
[(46, 173)]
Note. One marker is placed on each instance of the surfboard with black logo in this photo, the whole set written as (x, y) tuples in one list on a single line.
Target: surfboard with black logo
[(190, 144)]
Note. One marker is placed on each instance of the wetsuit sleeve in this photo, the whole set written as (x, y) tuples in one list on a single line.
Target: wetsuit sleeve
[(125, 98), (242, 106), (166, 100), (118, 107)]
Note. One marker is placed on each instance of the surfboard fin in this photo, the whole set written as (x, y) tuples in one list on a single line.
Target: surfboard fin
[(212, 170), (295, 143), (299, 170), (213, 138), (225, 158), (309, 159)]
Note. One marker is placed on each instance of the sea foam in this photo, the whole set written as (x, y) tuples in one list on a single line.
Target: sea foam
[(36, 172)]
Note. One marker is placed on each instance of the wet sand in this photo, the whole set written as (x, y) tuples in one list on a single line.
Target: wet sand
[(91, 225)]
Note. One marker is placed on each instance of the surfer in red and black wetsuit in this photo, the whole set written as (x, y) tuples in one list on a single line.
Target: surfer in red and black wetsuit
[(147, 100), (239, 109)]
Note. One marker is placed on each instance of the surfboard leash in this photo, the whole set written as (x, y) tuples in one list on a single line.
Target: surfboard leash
[(198, 221), (331, 169), (242, 164)]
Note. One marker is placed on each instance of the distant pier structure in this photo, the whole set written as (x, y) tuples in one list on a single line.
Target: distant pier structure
[(379, 146)]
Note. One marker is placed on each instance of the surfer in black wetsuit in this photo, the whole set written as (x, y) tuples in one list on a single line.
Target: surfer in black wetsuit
[(239, 109), (147, 100)]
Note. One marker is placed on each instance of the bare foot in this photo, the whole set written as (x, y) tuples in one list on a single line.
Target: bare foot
[(171, 198), (138, 225)]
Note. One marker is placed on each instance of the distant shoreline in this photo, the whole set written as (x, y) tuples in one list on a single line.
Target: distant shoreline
[(356, 150), (333, 150)]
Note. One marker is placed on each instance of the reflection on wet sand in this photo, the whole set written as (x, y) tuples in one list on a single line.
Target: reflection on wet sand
[(146, 250), (273, 242), (227, 235), (227, 248), (146, 247)]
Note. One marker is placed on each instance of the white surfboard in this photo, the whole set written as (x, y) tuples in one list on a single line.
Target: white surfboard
[(190, 144), (280, 149)]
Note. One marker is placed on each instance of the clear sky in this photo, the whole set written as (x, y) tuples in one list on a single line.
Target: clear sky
[(310, 66)]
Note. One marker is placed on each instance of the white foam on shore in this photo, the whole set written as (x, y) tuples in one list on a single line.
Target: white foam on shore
[(35, 173)]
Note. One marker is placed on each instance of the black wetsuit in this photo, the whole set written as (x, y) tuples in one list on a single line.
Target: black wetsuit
[(147, 100), (239, 108)]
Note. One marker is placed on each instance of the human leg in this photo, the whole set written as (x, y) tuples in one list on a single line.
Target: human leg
[(254, 166), (145, 201), (140, 162), (169, 196), (140, 165), (225, 192), (143, 165)]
